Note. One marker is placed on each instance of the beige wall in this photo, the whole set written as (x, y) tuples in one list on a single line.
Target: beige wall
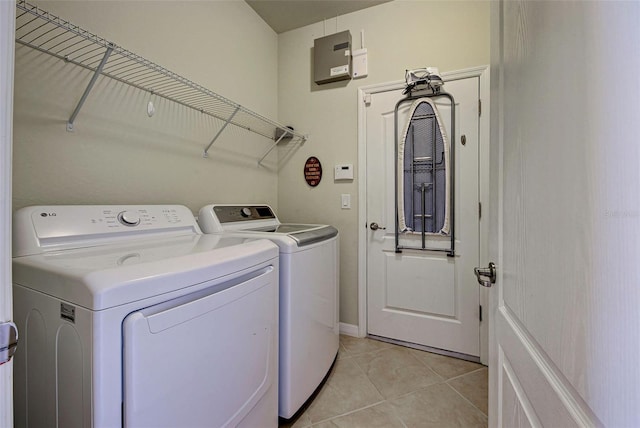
[(118, 154), (400, 35)]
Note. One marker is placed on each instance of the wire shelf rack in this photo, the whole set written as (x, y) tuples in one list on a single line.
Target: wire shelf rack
[(50, 34)]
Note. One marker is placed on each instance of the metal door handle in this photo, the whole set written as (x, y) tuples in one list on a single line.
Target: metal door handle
[(8, 341), (374, 226), (486, 276)]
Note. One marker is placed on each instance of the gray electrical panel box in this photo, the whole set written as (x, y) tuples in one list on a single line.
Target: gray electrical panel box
[(332, 58)]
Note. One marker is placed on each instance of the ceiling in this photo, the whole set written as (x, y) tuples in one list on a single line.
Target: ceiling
[(285, 15)]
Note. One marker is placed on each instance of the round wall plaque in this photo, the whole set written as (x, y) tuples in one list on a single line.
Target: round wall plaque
[(312, 171)]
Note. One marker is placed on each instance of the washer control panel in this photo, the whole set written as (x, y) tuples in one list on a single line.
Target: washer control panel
[(42, 227)]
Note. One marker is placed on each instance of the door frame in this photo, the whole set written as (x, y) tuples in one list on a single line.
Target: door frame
[(364, 96), (7, 52)]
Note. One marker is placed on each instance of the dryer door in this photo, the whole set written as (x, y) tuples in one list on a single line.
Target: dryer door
[(206, 359)]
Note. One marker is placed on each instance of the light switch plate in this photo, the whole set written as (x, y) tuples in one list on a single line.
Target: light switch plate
[(346, 201)]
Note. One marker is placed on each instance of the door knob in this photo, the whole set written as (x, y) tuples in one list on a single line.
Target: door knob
[(8, 341), (486, 276), (374, 226)]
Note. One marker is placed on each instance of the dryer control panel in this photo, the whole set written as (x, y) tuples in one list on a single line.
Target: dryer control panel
[(40, 229)]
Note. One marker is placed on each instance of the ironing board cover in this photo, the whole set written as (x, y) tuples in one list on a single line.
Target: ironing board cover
[(417, 128)]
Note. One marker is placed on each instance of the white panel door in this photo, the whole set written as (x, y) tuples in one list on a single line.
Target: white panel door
[(7, 46), (423, 297), (564, 164)]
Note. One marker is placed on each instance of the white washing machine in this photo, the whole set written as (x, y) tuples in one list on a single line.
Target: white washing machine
[(309, 269), (130, 316)]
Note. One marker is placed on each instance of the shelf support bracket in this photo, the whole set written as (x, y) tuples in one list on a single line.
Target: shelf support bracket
[(273, 146), (89, 87), (206, 150)]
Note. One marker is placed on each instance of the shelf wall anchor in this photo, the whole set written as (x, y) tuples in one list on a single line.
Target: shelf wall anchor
[(89, 87)]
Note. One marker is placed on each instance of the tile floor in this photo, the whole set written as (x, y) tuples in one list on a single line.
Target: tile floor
[(377, 384)]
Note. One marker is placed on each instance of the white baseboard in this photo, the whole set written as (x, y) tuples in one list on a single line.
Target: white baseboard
[(349, 329)]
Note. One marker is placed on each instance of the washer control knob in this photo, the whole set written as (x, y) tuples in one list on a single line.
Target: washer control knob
[(129, 218), (245, 212)]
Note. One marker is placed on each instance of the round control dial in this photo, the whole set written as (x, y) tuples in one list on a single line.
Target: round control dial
[(129, 218), (245, 212)]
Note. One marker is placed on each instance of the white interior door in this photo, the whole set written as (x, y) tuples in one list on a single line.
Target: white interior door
[(566, 336), (7, 46), (423, 297)]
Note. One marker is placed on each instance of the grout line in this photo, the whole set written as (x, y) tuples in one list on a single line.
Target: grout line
[(370, 381), (343, 357), (422, 388), (466, 399), (346, 354), (465, 374), (423, 348), (347, 413), (375, 351), (396, 414), (442, 378), (354, 353)]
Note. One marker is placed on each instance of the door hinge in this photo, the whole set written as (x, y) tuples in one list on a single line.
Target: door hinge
[(479, 209), (479, 107), (8, 341), (480, 313), (367, 98)]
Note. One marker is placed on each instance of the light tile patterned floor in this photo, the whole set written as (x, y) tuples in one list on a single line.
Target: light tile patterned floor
[(377, 384)]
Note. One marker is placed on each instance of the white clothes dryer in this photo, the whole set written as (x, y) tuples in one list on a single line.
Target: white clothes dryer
[(130, 316), (309, 302)]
